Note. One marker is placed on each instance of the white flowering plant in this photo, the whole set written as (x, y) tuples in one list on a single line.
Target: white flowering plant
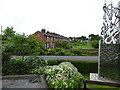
[(64, 75)]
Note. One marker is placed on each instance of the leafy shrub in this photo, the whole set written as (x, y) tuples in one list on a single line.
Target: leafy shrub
[(68, 53), (27, 65), (72, 52), (76, 52), (35, 64), (51, 52), (64, 75), (56, 51), (59, 51), (83, 66), (5, 57), (95, 44), (62, 44), (14, 66), (92, 53)]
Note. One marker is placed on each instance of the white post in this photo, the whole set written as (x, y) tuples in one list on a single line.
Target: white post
[(99, 58), (1, 29)]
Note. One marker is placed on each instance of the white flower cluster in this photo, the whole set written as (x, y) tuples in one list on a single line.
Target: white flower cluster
[(64, 75)]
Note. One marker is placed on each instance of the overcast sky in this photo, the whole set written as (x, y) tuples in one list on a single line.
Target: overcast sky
[(65, 17)]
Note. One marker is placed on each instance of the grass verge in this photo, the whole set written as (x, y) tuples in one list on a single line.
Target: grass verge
[(98, 87)]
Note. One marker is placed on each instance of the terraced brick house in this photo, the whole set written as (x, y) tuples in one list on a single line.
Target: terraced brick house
[(50, 38)]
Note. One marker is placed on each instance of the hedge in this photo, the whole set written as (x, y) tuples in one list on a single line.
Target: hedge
[(83, 66)]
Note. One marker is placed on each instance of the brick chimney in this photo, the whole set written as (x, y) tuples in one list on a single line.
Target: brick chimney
[(48, 32), (43, 31)]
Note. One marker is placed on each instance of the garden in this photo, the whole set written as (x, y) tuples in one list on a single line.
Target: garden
[(64, 75), (58, 73), (17, 44)]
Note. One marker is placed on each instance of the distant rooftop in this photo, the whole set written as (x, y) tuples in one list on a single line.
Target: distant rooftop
[(52, 34)]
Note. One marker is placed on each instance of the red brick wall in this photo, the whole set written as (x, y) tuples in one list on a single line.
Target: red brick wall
[(51, 40), (40, 36)]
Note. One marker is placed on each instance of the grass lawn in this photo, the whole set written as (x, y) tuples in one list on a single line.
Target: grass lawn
[(98, 87), (83, 46)]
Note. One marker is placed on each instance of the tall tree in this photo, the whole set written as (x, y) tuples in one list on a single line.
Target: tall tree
[(94, 37), (7, 43), (18, 44), (7, 39), (82, 38)]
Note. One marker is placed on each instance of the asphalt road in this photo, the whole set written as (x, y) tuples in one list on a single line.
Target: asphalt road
[(69, 57)]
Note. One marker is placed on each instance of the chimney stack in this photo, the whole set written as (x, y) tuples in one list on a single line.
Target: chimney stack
[(43, 31)]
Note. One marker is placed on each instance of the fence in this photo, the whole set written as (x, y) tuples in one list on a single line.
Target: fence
[(100, 83)]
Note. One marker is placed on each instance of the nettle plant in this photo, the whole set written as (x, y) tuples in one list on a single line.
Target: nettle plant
[(64, 75)]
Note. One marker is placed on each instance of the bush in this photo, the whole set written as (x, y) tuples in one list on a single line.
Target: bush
[(56, 51), (92, 53), (62, 44), (64, 75), (76, 52), (29, 65), (95, 44), (68, 53), (35, 64), (51, 52), (14, 66), (59, 51), (83, 66), (5, 57), (72, 52)]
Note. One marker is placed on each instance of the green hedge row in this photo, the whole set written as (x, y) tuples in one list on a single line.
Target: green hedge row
[(83, 66), (71, 52), (21, 66)]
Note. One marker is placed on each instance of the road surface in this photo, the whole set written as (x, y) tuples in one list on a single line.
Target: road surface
[(69, 57)]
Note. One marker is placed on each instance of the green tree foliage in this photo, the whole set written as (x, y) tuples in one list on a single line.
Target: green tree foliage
[(8, 33), (62, 44), (94, 37), (20, 66), (37, 46), (7, 38), (18, 44), (21, 45), (7, 42), (79, 39), (95, 44), (27, 46), (82, 38)]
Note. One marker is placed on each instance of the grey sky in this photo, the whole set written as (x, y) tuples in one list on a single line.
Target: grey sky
[(65, 17)]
